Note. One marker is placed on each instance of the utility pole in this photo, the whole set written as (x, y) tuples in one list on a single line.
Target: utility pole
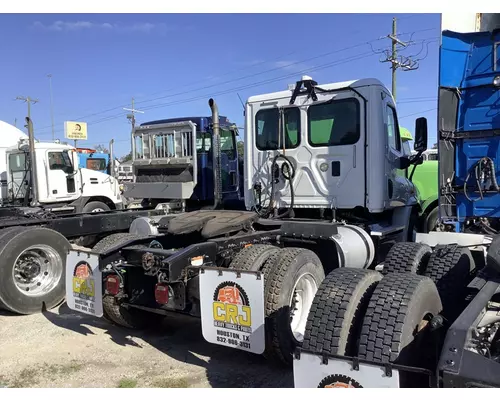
[(28, 100), (131, 117), (406, 63), (52, 107)]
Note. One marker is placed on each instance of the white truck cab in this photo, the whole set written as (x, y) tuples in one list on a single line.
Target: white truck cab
[(60, 183), (334, 137)]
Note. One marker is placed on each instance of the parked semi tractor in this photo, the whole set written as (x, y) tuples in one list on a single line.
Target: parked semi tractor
[(429, 317), (175, 161), (59, 205), (326, 185)]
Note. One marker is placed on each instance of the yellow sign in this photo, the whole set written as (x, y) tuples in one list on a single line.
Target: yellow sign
[(230, 314), (75, 130), (231, 309), (84, 286)]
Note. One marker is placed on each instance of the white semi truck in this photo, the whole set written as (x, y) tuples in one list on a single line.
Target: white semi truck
[(325, 186)]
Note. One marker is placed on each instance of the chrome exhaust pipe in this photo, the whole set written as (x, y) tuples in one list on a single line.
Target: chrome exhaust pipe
[(216, 153)]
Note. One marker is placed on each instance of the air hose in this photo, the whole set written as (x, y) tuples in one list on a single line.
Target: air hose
[(288, 173), (483, 169)]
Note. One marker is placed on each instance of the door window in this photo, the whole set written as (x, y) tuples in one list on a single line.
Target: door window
[(335, 123), (267, 127), (59, 160), (394, 138)]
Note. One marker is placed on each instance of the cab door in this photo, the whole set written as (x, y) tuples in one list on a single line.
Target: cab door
[(61, 176), (399, 188)]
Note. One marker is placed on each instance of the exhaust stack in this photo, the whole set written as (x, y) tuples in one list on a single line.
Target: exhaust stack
[(111, 158), (216, 153), (33, 175)]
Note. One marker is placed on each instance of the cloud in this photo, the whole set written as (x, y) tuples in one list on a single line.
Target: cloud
[(68, 26)]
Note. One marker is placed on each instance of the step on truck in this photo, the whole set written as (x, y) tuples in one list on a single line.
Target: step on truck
[(326, 185), (430, 316), (52, 203)]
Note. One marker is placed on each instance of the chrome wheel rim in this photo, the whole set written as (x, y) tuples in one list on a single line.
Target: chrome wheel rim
[(37, 270), (300, 303)]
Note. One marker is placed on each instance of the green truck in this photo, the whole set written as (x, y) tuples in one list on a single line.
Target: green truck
[(425, 179)]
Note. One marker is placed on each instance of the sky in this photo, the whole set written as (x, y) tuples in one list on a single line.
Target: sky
[(171, 64)]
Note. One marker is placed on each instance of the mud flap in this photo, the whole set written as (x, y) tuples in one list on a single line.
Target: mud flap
[(315, 371), (232, 308), (84, 283)]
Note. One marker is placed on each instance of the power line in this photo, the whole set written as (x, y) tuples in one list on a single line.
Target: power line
[(405, 63), (255, 84), (248, 86), (420, 112), (235, 79)]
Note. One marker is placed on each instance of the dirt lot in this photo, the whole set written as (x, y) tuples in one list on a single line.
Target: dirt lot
[(61, 348)]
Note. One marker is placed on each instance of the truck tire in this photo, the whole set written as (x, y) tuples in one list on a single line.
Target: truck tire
[(334, 322), (253, 258), (33, 269), (431, 220), (285, 323), (95, 206), (113, 310), (450, 268), (407, 257), (397, 312)]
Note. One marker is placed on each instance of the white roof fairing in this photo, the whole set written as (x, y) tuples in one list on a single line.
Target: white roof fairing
[(329, 86)]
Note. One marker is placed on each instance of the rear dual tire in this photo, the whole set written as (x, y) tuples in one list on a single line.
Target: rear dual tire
[(32, 269), (291, 278), (113, 309), (359, 313)]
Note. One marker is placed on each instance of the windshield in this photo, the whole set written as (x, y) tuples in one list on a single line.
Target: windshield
[(267, 128), (227, 142), (97, 164)]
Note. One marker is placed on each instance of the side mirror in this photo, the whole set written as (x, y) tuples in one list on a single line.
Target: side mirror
[(420, 143)]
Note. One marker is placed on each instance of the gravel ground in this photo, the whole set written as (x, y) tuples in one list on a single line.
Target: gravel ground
[(61, 348)]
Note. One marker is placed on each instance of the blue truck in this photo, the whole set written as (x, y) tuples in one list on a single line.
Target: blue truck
[(92, 159), (173, 164)]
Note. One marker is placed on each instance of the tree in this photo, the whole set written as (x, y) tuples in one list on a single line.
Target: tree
[(126, 157), (240, 147), (100, 148)]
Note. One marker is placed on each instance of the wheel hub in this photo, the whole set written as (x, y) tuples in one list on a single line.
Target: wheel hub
[(300, 303), (37, 270)]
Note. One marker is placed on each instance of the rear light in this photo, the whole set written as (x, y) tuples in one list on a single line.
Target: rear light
[(161, 293), (113, 284)]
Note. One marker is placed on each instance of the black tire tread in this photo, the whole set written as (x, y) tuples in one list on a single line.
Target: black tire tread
[(338, 309), (112, 310), (247, 258), (450, 267), (407, 257), (275, 272), (113, 240), (381, 338)]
